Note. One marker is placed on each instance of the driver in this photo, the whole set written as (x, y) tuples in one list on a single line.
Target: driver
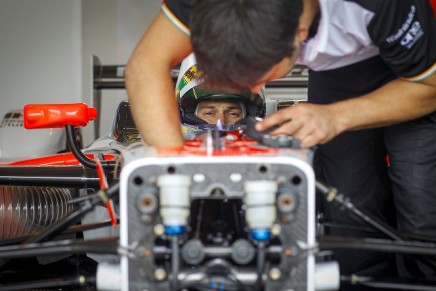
[(227, 112), (202, 108)]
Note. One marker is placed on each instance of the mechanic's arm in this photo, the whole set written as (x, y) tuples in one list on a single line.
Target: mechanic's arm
[(395, 102), (149, 85)]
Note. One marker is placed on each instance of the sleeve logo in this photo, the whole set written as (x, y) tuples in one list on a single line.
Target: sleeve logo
[(409, 32)]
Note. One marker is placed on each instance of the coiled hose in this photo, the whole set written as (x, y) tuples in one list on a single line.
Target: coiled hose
[(25, 210)]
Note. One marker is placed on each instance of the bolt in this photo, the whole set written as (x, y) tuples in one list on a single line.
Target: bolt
[(160, 274), (276, 229), (275, 274), (159, 229)]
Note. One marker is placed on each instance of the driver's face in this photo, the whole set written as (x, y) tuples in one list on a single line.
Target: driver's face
[(228, 112)]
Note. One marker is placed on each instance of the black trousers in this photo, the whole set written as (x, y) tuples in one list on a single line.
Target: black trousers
[(355, 163), (412, 150), (402, 195)]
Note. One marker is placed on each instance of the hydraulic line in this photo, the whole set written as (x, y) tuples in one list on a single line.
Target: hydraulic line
[(381, 245), (260, 265), (79, 281), (199, 219), (48, 175), (97, 246), (81, 157), (88, 226), (372, 283), (82, 199), (175, 262), (70, 229), (332, 195)]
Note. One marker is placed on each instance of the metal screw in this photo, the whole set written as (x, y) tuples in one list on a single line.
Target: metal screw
[(275, 274), (198, 178), (159, 229), (276, 229), (235, 177), (160, 274)]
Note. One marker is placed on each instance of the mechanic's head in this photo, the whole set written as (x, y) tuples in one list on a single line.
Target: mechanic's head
[(241, 44), (199, 105)]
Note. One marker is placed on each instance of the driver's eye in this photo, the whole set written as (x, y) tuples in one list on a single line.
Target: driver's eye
[(209, 113), (234, 114)]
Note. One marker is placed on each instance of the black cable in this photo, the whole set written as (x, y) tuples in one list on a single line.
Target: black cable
[(260, 265), (98, 246), (87, 226), (237, 219), (199, 219), (80, 281), (361, 228), (79, 200), (70, 229), (397, 285), (374, 244), (80, 156), (71, 138), (175, 262), (332, 195)]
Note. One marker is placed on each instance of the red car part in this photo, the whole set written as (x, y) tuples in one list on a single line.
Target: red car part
[(57, 115)]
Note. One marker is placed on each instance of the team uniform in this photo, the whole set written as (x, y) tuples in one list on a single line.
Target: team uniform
[(357, 47), (350, 58)]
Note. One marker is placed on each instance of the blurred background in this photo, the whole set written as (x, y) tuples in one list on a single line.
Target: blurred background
[(47, 45), (47, 50)]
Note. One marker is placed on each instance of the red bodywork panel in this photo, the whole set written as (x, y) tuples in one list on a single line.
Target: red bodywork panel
[(55, 160), (235, 143), (79, 114), (57, 115)]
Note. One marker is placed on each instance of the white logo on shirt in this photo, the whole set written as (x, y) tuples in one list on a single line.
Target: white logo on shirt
[(396, 36), (414, 33)]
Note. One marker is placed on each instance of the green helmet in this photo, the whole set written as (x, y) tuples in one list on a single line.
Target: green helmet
[(189, 93)]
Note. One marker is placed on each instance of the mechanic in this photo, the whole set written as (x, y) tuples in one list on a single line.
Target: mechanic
[(201, 107), (372, 91)]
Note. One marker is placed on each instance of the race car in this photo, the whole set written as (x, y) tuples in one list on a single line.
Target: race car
[(43, 191), (32, 143), (232, 210), (49, 220)]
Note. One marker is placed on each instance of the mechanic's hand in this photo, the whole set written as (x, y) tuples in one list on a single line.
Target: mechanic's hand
[(312, 124)]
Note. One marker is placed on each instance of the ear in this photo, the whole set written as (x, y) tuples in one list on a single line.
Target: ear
[(256, 89), (302, 33)]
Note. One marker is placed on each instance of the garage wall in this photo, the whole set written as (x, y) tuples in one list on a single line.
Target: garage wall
[(46, 47), (40, 52), (111, 30)]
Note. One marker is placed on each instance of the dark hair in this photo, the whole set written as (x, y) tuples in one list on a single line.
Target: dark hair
[(238, 41)]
